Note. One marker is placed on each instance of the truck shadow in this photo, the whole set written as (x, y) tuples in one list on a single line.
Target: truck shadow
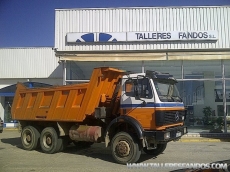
[(97, 151), (13, 141), (92, 152)]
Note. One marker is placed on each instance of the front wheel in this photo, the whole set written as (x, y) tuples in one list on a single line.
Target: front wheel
[(159, 149), (125, 148)]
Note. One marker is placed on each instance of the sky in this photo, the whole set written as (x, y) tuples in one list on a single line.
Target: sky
[(30, 23)]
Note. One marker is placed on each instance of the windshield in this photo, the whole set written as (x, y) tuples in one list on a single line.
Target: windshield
[(167, 92)]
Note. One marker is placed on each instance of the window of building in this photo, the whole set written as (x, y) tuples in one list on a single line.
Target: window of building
[(194, 97), (207, 69)]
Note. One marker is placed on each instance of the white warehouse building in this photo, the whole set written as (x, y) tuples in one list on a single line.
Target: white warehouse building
[(191, 43)]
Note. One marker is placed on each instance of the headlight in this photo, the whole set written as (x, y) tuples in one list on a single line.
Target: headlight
[(167, 135), (182, 118)]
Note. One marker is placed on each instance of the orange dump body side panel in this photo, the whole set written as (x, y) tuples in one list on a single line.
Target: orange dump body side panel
[(66, 103)]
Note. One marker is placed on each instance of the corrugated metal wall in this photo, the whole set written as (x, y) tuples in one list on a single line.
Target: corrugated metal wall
[(29, 63), (143, 19)]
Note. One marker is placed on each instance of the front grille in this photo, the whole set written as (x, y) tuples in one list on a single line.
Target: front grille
[(168, 117)]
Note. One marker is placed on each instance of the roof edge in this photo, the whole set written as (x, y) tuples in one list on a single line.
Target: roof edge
[(64, 9), (26, 48)]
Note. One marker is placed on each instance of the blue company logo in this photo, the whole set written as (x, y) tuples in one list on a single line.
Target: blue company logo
[(89, 37), (103, 37)]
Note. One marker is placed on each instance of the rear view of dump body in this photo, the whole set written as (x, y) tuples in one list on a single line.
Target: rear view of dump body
[(69, 103)]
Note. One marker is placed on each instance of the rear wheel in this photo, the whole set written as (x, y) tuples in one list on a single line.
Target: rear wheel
[(160, 148), (125, 148), (49, 140), (30, 138), (62, 143)]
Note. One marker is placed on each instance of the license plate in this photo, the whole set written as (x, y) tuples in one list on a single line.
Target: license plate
[(178, 134)]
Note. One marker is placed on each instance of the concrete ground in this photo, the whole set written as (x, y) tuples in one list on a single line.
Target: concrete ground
[(98, 158)]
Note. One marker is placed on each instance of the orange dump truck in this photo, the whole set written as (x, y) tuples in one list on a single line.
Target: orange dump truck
[(129, 112)]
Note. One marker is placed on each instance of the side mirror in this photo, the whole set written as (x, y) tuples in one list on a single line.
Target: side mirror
[(137, 96), (136, 91)]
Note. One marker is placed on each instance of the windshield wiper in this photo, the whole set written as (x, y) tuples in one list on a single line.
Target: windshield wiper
[(168, 97), (171, 98), (178, 97)]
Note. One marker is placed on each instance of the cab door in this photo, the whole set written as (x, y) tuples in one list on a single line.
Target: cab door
[(137, 101)]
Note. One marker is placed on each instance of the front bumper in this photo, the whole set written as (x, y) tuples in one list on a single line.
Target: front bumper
[(174, 134)]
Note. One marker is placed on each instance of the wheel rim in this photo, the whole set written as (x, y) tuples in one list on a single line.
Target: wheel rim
[(122, 148), (27, 137), (47, 140)]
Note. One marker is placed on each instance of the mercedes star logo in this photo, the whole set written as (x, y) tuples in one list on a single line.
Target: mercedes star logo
[(177, 116)]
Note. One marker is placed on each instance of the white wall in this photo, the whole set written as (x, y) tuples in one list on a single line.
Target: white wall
[(29, 63), (146, 19)]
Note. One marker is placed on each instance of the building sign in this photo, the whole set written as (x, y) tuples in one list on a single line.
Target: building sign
[(143, 36), (172, 36), (95, 37)]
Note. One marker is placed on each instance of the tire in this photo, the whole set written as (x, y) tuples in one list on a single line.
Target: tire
[(62, 144), (30, 138), (155, 152), (83, 144), (49, 140), (125, 148)]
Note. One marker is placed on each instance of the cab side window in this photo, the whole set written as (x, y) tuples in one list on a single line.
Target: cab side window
[(142, 85), (129, 88)]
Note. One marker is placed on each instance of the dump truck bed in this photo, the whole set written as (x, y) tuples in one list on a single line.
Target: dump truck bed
[(66, 103)]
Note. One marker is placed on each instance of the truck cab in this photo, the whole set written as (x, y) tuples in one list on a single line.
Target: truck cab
[(151, 106), (152, 98)]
